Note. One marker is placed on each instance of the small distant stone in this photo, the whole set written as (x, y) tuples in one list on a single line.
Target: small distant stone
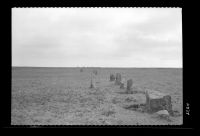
[(140, 109), (129, 84), (118, 79), (95, 72), (81, 70), (122, 86), (112, 77)]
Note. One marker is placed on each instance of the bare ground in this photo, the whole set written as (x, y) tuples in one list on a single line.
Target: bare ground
[(61, 96)]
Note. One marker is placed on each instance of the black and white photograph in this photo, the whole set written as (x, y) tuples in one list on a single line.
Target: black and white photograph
[(97, 66)]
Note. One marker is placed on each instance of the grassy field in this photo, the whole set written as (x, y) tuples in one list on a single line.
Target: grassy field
[(61, 96)]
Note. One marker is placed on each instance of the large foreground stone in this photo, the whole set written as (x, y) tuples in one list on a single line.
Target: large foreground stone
[(156, 101)]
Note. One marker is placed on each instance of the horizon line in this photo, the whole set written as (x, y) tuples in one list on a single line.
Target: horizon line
[(87, 67)]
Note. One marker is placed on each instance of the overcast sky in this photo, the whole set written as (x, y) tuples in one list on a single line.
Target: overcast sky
[(99, 37)]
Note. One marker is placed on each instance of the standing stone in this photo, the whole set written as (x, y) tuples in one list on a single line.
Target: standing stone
[(163, 112), (81, 70), (95, 72), (112, 77), (92, 84), (129, 84), (118, 79), (122, 83)]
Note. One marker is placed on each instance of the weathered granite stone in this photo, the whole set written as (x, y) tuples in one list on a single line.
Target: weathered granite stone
[(118, 79)]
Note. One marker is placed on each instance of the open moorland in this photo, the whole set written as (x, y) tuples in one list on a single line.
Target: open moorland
[(62, 96)]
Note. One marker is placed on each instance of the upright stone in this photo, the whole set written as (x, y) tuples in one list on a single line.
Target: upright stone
[(112, 77), (122, 83), (92, 84), (118, 79), (81, 70), (129, 85), (95, 72)]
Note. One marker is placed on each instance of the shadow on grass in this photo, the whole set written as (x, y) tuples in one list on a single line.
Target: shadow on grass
[(136, 107), (131, 92)]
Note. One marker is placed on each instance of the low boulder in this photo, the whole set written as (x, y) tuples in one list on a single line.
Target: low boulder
[(95, 72), (163, 114), (81, 70)]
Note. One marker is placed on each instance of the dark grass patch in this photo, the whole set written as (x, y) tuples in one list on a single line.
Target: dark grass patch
[(133, 90), (136, 107)]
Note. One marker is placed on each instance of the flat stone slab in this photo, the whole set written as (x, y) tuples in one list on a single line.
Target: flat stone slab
[(155, 94)]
